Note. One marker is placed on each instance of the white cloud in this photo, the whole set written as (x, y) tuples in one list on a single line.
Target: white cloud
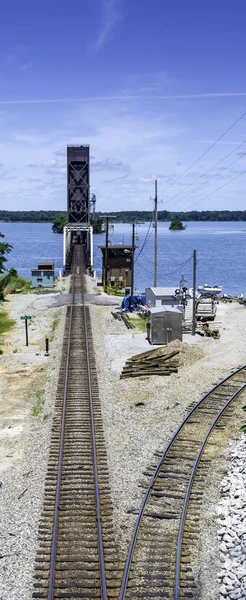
[(111, 15), (123, 97), (130, 146), (110, 165), (53, 163)]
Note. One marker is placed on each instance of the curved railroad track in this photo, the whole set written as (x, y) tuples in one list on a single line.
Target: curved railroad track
[(77, 557), (159, 561)]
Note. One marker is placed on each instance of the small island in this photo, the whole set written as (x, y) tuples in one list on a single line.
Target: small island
[(176, 225)]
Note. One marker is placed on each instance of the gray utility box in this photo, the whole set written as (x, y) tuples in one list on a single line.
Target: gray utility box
[(164, 324), (159, 296)]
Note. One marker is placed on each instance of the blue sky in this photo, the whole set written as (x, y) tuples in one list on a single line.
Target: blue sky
[(150, 85)]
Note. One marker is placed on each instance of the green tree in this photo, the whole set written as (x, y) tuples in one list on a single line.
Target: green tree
[(176, 225), (58, 223), (5, 248), (97, 224)]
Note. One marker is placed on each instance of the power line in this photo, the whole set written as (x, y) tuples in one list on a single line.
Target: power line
[(147, 237), (206, 151), (217, 190), (205, 173), (168, 272), (210, 179)]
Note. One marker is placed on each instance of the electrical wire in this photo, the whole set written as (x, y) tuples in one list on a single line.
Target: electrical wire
[(206, 151), (210, 179), (205, 173), (168, 272), (147, 237), (121, 259), (217, 190)]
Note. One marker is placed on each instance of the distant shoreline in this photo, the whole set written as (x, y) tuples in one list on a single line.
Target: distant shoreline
[(48, 216)]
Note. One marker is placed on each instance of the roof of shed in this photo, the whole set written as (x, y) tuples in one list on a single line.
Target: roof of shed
[(163, 291)]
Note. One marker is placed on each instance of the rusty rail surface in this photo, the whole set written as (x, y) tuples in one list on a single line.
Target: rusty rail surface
[(158, 563), (77, 556)]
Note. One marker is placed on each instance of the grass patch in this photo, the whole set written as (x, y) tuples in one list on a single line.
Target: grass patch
[(139, 324), (15, 350), (39, 403), (5, 325), (18, 283), (54, 327)]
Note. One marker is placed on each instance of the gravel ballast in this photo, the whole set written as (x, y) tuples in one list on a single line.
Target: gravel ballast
[(139, 418), (134, 432)]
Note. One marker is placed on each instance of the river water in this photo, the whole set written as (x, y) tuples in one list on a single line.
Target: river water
[(220, 246)]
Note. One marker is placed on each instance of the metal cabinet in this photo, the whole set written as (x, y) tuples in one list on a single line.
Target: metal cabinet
[(164, 325)]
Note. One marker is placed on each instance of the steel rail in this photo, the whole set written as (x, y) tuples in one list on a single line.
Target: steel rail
[(60, 460), (188, 491), (97, 495), (154, 476)]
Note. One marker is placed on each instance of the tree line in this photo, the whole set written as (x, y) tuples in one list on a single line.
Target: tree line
[(165, 215), (31, 216), (127, 216)]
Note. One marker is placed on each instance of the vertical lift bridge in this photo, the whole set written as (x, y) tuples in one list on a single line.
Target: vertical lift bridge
[(78, 228)]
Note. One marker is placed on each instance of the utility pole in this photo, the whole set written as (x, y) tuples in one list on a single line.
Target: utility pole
[(106, 258), (155, 249), (105, 282), (194, 294), (132, 281)]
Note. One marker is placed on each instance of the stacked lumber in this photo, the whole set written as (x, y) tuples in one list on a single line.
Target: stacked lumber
[(154, 362)]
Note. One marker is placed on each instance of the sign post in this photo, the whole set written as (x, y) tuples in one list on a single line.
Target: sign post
[(26, 318)]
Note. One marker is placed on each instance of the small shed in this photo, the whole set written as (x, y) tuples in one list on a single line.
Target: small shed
[(117, 262), (162, 296), (44, 275), (164, 324)]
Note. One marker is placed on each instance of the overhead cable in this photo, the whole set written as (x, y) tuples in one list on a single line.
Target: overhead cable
[(205, 173), (168, 272), (206, 151), (217, 190), (147, 237), (210, 179)]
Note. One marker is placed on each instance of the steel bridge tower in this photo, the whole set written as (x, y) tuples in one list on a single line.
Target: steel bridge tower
[(78, 229)]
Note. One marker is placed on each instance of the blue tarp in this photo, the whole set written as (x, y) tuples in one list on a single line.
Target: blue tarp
[(139, 299)]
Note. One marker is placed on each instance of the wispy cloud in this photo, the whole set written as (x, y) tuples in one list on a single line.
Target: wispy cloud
[(110, 165), (111, 15), (207, 95), (53, 163)]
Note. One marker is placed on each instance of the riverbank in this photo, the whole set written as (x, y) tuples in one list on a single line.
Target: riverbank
[(139, 417)]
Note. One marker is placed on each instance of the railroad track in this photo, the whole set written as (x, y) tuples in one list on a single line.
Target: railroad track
[(167, 530), (77, 556)]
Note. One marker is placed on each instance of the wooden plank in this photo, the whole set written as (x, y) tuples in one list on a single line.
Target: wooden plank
[(164, 356), (160, 353), (142, 355), (152, 364), (135, 369), (143, 374)]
